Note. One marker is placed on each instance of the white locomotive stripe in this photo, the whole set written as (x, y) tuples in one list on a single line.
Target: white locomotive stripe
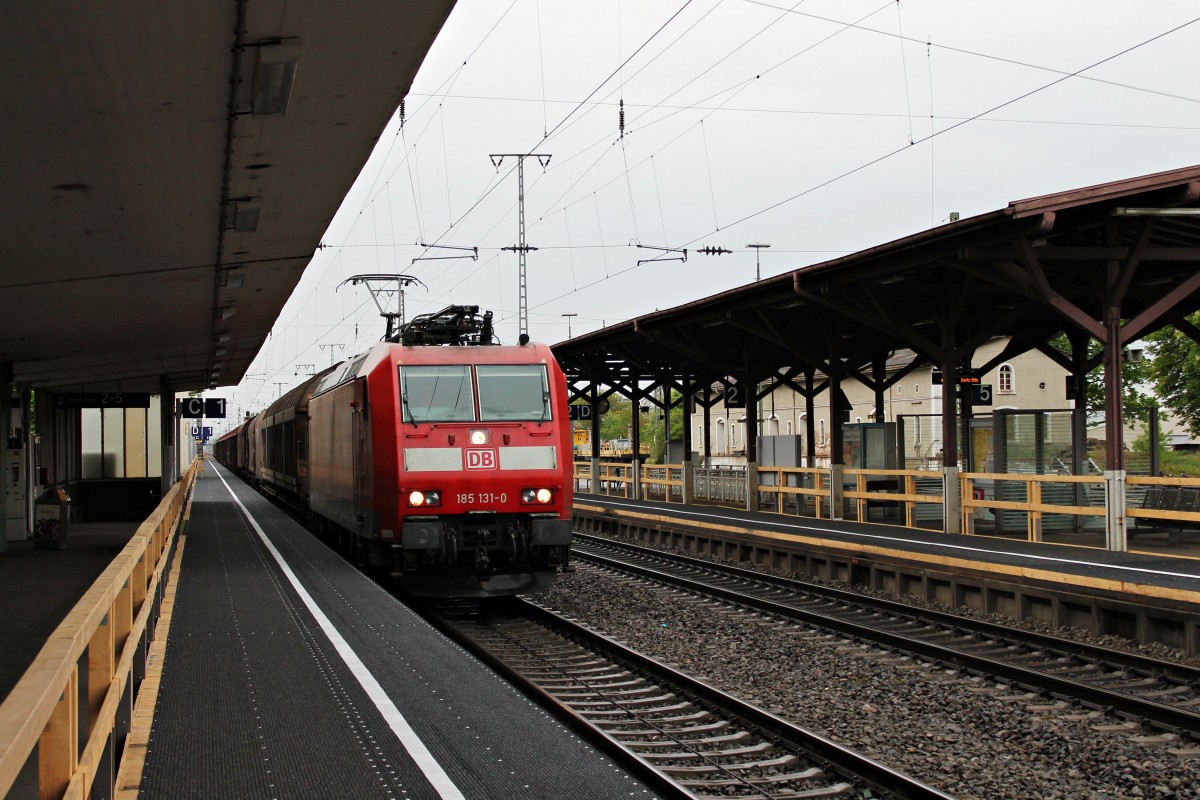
[(409, 739)]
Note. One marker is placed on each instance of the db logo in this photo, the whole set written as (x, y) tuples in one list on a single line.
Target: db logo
[(481, 459)]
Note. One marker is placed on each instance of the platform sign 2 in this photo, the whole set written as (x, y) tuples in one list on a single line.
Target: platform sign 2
[(102, 400), (735, 396)]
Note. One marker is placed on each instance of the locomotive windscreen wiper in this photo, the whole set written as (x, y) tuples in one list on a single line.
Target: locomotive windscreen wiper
[(407, 407)]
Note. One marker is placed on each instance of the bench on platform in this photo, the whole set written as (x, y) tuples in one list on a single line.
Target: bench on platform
[(1167, 498)]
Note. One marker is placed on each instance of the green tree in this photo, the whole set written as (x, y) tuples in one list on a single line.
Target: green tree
[(1136, 382), (1174, 368), (616, 423)]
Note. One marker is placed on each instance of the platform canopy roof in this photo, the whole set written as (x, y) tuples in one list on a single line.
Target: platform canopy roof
[(169, 169), (1123, 255)]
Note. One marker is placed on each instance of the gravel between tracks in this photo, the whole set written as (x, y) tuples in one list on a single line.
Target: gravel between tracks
[(972, 739)]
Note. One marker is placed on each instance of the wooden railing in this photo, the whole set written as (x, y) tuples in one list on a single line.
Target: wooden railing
[(583, 476), (613, 476), (883, 486), (662, 482), (800, 483), (1033, 505), (1171, 504), (112, 624)]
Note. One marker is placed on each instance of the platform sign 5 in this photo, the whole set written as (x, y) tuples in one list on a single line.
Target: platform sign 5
[(481, 459), (981, 394)]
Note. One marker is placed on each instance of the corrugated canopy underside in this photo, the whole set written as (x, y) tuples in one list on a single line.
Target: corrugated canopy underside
[(128, 143)]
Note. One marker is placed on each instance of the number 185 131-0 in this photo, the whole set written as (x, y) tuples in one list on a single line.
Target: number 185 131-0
[(481, 498)]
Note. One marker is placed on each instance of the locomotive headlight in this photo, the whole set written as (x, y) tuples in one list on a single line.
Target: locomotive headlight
[(479, 436), (419, 499), (536, 496)]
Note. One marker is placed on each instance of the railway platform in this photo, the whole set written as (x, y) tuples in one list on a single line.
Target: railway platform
[(1148, 595), (289, 673)]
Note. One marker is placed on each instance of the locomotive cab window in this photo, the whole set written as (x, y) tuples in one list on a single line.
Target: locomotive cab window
[(437, 394), (513, 392)]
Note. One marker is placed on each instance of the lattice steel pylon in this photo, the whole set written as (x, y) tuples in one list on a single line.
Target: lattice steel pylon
[(521, 248)]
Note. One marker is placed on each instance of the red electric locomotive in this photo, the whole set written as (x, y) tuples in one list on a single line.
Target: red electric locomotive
[(440, 456)]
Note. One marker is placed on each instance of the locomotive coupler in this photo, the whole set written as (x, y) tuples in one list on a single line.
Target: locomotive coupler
[(483, 564)]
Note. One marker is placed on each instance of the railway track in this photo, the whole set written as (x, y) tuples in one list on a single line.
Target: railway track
[(682, 737), (1163, 694)]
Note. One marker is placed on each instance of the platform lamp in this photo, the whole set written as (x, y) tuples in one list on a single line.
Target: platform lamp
[(758, 246)]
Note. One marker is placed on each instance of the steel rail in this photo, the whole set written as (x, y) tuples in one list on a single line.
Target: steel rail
[(1160, 714), (882, 780), (1181, 673)]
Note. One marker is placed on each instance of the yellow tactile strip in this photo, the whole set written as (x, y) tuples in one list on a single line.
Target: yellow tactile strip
[(133, 759), (948, 562)]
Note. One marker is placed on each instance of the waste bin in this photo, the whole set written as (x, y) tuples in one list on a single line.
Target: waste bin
[(51, 520)]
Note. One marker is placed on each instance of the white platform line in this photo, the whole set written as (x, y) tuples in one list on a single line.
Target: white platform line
[(408, 737), (807, 528)]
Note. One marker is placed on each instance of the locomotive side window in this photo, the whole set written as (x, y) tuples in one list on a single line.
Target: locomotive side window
[(513, 392), (437, 394)]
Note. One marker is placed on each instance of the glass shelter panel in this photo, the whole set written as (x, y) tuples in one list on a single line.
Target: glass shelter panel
[(92, 439), (114, 443), (154, 438), (135, 443)]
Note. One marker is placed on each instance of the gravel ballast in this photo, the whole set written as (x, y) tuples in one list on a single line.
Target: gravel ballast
[(972, 738)]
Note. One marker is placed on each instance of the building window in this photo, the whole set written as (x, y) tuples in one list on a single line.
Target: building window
[(789, 427), (719, 445), (1004, 377), (821, 432)]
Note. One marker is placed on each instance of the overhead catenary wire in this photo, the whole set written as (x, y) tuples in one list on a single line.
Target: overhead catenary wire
[(610, 273), (890, 154)]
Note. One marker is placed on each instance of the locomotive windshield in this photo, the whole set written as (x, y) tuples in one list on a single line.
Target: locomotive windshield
[(437, 394), (513, 392)]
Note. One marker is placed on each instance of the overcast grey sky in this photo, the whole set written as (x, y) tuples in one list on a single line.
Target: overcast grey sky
[(820, 127)]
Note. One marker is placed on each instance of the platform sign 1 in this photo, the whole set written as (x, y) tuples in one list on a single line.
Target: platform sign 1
[(580, 412), (201, 435)]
